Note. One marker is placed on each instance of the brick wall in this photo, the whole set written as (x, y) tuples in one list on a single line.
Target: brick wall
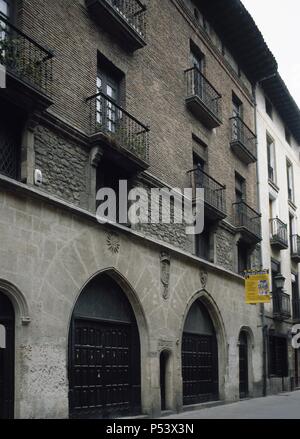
[(155, 91)]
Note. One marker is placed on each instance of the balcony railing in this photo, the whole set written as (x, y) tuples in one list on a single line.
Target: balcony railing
[(243, 140), (120, 128), (281, 305), (279, 234), (295, 247), (24, 58), (134, 12), (248, 220), (214, 192), (296, 309), (203, 99), (125, 18)]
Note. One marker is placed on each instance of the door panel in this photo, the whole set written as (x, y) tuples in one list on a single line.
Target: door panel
[(102, 369), (199, 368)]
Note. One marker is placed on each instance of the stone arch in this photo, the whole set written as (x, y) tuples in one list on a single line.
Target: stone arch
[(250, 347), (18, 300), (215, 315), (130, 294), (141, 321)]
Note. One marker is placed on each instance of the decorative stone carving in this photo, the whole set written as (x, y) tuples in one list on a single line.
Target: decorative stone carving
[(165, 273), (203, 278), (95, 156), (165, 344), (113, 242)]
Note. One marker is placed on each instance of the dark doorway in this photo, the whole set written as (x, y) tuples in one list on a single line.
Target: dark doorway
[(164, 384), (297, 368), (243, 362), (7, 350), (199, 357), (104, 353)]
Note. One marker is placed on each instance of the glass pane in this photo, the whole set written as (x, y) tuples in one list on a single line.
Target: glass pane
[(2, 337), (4, 8)]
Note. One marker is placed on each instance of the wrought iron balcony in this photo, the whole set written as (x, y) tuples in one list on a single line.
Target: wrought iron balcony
[(126, 19), (214, 194), (295, 248), (202, 99), (119, 133), (296, 310), (248, 222), (278, 234), (28, 66), (243, 141), (281, 305)]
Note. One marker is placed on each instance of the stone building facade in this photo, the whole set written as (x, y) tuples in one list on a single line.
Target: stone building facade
[(160, 94)]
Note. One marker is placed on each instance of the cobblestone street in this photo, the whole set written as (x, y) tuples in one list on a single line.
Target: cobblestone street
[(282, 406)]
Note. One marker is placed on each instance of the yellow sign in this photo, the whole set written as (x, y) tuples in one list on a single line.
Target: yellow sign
[(257, 285)]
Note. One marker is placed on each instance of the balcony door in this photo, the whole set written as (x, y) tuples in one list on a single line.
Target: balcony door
[(197, 64), (237, 114), (107, 113)]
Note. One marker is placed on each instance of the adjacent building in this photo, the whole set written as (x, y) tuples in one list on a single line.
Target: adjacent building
[(278, 135), (102, 320)]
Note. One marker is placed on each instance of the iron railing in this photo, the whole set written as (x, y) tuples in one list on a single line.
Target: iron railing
[(198, 85), (296, 309), (281, 304), (279, 232), (247, 218), (242, 134), (121, 127), (214, 192), (25, 58), (295, 246), (133, 12)]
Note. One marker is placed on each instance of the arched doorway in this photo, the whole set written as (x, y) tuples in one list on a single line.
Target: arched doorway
[(104, 353), (199, 357), (243, 365), (7, 350)]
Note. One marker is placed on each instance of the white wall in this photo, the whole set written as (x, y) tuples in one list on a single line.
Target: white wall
[(283, 151)]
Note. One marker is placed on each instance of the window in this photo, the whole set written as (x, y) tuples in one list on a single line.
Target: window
[(275, 270), (108, 87), (108, 176), (292, 225), (295, 296), (197, 14), (203, 244), (271, 159), (243, 258), (240, 188), (290, 181), (278, 356), (269, 107), (5, 7), (287, 135), (196, 56), (237, 107), (2, 337)]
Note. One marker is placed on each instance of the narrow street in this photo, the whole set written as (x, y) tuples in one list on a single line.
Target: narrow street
[(282, 406)]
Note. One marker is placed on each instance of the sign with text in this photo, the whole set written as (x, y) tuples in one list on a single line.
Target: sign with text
[(257, 286)]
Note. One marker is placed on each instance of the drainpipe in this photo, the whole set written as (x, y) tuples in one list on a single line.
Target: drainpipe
[(262, 306)]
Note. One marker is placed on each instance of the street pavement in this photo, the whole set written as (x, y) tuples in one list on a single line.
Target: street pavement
[(282, 406)]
